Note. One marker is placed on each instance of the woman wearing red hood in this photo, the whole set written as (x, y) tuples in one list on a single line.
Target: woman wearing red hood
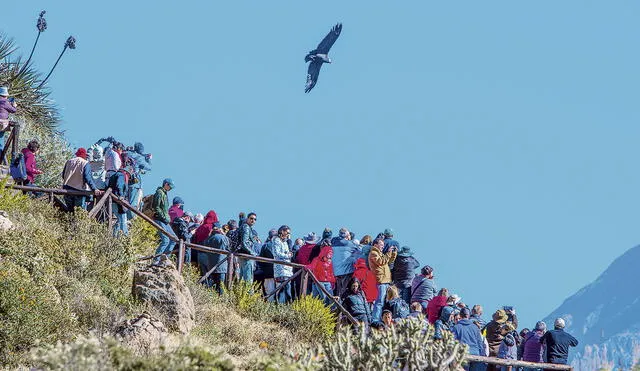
[(436, 304), (322, 268), (203, 231), (367, 280)]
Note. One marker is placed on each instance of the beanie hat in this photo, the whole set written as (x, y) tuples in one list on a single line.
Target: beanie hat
[(177, 200), (81, 152)]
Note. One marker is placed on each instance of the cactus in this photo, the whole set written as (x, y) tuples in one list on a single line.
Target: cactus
[(409, 345)]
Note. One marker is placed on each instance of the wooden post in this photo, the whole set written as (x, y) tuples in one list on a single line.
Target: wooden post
[(180, 255), (51, 198), (304, 284), (16, 137), (230, 263), (110, 213)]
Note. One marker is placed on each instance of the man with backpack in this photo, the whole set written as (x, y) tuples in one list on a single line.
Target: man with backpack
[(161, 216), (76, 176), (423, 287)]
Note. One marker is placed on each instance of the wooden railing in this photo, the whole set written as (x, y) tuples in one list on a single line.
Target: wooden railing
[(515, 364), (103, 206), (10, 143)]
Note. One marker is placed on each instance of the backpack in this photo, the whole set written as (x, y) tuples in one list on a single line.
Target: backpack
[(235, 239), (401, 309), (147, 206), (18, 169)]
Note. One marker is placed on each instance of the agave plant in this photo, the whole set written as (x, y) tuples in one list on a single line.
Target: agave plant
[(23, 81)]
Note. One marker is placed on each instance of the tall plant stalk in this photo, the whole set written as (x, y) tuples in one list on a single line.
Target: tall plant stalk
[(42, 26), (69, 44)]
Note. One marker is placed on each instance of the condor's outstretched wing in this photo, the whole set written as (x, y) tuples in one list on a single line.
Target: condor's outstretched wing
[(312, 75), (327, 42)]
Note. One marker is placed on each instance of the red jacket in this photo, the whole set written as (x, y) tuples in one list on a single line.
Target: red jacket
[(203, 231), (302, 257), (175, 212), (367, 280), (434, 306), (322, 267)]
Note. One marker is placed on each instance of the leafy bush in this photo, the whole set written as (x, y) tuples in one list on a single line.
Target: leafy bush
[(314, 318), (93, 353), (409, 345), (77, 276), (11, 200), (144, 237), (30, 311)]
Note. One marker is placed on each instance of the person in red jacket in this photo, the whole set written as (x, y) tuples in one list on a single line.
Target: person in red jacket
[(203, 231), (367, 280), (436, 304), (322, 267)]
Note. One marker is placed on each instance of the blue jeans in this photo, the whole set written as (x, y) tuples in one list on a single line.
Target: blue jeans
[(284, 295), (121, 224), (134, 198), (379, 303), (75, 201), (315, 291), (246, 269), (166, 245), (405, 294)]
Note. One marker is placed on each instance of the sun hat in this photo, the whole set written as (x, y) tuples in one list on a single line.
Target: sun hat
[(4, 91), (500, 316), (311, 238), (388, 232)]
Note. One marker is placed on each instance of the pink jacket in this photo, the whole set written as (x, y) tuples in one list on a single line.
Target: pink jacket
[(30, 164)]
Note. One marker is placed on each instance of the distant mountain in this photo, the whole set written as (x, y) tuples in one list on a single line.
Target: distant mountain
[(605, 317)]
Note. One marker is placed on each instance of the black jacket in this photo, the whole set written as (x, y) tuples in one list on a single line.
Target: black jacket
[(558, 343), (404, 270)]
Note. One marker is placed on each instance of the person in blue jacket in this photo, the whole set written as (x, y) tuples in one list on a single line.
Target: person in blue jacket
[(467, 332)]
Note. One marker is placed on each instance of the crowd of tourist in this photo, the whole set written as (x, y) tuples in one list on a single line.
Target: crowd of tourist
[(378, 281)]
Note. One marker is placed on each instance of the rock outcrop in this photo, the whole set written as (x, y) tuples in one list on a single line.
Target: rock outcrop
[(5, 223), (161, 286), (143, 334)]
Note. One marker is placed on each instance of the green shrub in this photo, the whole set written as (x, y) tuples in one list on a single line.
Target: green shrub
[(313, 318), (93, 353), (144, 237), (30, 312), (11, 200)]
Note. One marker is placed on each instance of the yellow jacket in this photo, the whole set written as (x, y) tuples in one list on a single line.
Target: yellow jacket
[(379, 264)]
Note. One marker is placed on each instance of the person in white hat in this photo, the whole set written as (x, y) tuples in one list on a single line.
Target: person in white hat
[(7, 106), (557, 343)]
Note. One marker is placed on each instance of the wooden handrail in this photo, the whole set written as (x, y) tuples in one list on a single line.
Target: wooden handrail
[(511, 362), (128, 206), (330, 296), (98, 205), (50, 190)]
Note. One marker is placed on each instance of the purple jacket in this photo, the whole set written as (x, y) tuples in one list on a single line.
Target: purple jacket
[(5, 108), (532, 347), (30, 164)]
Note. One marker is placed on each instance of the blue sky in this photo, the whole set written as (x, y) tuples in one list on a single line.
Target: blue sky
[(498, 139)]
